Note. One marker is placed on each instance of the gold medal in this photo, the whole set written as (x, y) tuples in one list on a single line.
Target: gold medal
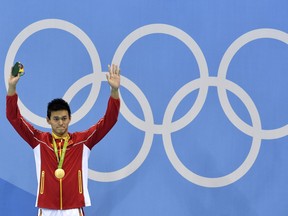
[(59, 173)]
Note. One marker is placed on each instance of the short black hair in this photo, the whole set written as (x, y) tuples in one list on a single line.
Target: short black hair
[(56, 105)]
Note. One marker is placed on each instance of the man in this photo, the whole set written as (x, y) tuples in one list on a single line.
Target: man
[(61, 157)]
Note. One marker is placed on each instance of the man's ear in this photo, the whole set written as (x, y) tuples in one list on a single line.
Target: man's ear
[(48, 120)]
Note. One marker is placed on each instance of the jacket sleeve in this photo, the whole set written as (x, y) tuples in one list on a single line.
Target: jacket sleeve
[(23, 128), (95, 133)]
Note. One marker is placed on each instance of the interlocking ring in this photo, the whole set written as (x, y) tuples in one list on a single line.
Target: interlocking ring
[(93, 78)]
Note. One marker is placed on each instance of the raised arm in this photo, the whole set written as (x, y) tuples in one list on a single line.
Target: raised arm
[(12, 83), (23, 127)]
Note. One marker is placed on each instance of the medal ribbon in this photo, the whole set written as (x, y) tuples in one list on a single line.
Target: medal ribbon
[(62, 156)]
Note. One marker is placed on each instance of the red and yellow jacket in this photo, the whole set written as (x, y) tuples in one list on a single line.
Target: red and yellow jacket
[(71, 191)]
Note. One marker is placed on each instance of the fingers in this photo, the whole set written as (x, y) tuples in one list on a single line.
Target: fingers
[(114, 69)]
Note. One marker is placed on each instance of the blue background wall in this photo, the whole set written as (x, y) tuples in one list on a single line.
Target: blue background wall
[(202, 129)]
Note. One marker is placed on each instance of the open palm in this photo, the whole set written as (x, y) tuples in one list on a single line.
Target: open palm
[(113, 77)]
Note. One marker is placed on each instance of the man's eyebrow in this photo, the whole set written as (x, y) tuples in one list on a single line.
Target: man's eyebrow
[(64, 116)]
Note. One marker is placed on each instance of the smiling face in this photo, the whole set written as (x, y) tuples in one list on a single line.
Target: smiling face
[(59, 121)]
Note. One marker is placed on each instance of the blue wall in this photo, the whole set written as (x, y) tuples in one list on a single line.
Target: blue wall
[(203, 124)]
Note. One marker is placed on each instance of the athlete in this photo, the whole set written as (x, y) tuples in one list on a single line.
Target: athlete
[(61, 157)]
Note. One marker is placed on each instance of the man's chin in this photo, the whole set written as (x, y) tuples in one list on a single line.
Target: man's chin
[(60, 132)]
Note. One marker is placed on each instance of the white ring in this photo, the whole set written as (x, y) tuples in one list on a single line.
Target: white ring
[(223, 68), (194, 48), (256, 143), (77, 32)]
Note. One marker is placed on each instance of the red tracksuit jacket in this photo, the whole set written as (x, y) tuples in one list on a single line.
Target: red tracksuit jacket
[(71, 191)]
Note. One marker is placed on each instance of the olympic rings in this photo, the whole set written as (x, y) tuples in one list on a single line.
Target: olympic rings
[(147, 125)]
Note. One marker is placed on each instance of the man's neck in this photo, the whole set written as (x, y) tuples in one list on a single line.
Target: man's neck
[(63, 136)]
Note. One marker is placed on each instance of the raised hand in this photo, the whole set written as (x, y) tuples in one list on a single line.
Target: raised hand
[(113, 77)]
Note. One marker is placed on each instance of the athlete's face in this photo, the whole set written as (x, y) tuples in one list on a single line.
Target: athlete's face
[(59, 121)]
